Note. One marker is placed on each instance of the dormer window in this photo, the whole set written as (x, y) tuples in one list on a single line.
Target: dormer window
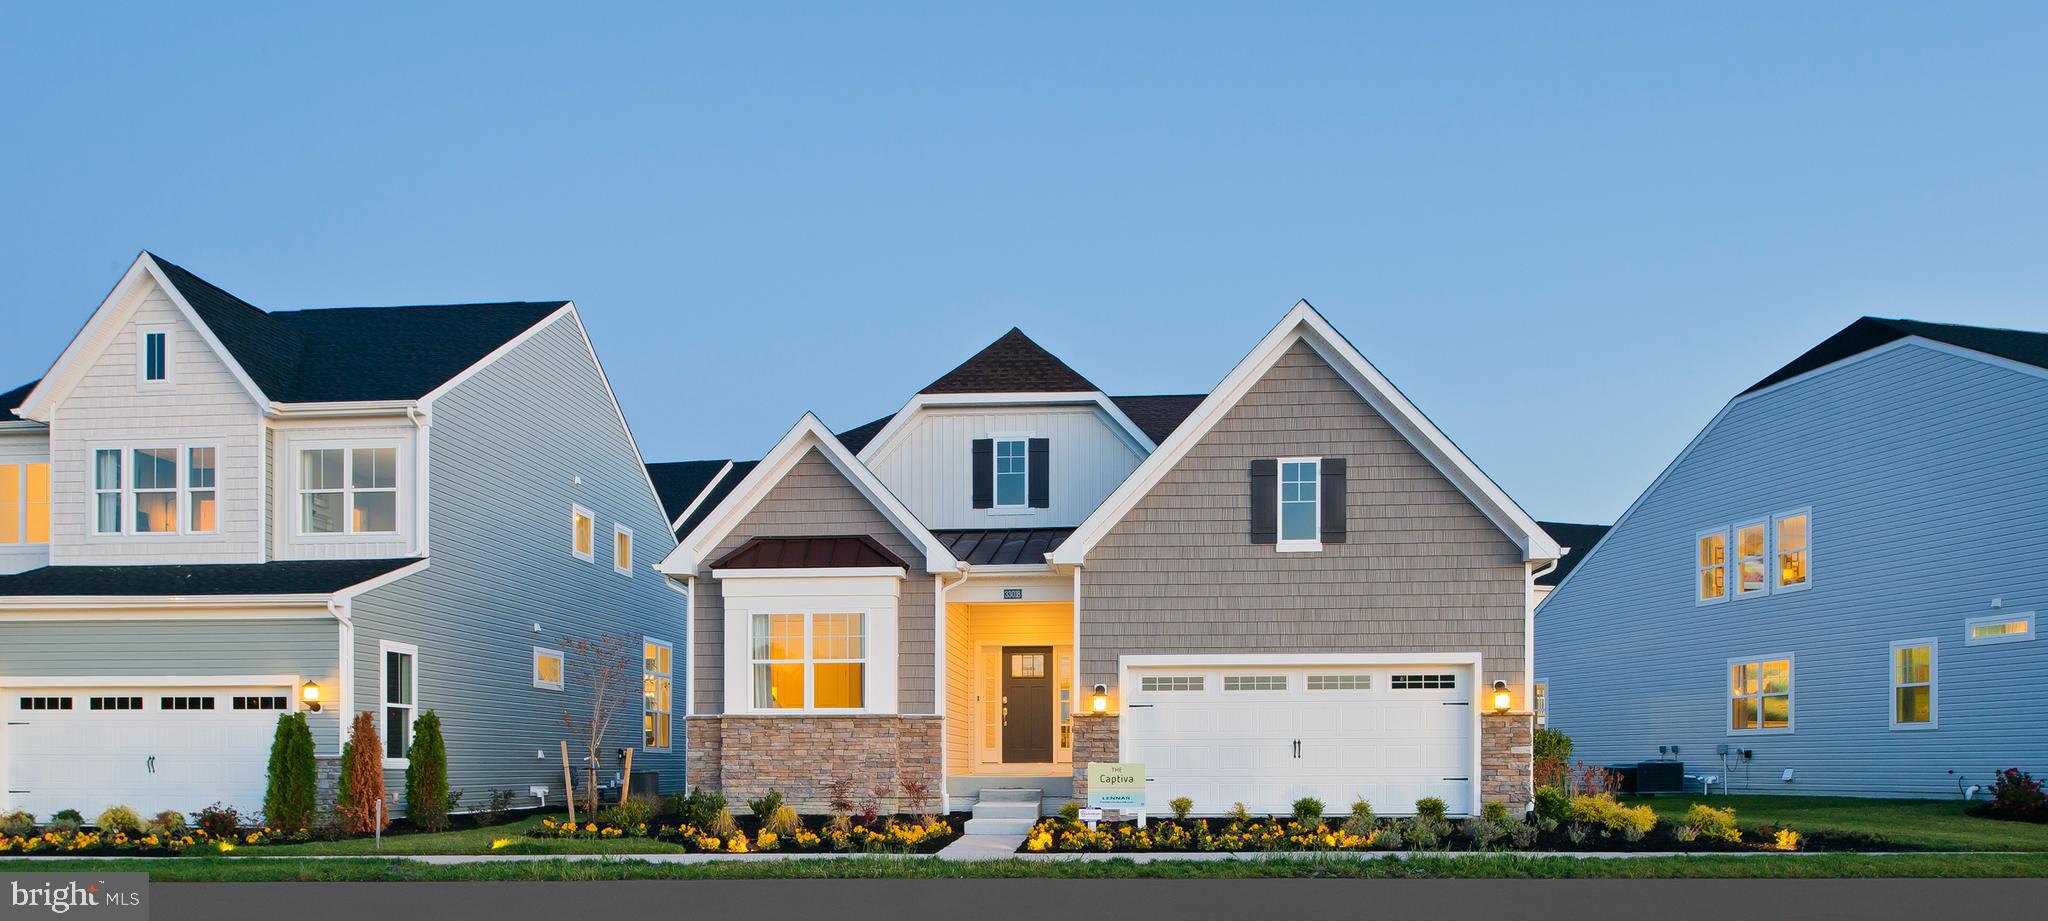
[(1013, 468), (154, 357), (1011, 473)]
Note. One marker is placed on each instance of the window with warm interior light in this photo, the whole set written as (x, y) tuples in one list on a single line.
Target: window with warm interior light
[(24, 504), (161, 490), (1913, 674), (657, 694), (1752, 555), (622, 549), (582, 533), (547, 668), (1789, 541), (1713, 566), (1760, 695), (1998, 628), (809, 661)]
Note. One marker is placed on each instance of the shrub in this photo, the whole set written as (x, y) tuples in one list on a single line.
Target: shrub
[(782, 821), (1713, 824), (1786, 840), (2017, 795), (1431, 808), (1390, 837), (721, 825), (1361, 819), (1634, 833), (766, 805), (1522, 834), (1425, 833), (362, 793), (426, 775), (119, 818), (1685, 833), (699, 808), (1071, 812), (66, 820), (1575, 833), (1552, 757), (167, 822), (1239, 814), (18, 822), (495, 807), (1553, 804), (839, 801), (1308, 810), (1602, 810), (1484, 832), (218, 820), (1494, 812), (1181, 806), (627, 814), (1591, 781), (289, 798), (917, 797)]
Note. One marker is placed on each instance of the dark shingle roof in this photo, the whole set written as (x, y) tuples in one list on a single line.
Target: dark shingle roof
[(1002, 546), (288, 577), (835, 552), (13, 398), (1870, 332), (719, 491), (676, 483), (858, 437), (1011, 364), (354, 353), (1158, 416), (1579, 538)]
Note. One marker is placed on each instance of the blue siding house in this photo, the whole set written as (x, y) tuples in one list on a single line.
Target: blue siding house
[(211, 514), (1833, 589)]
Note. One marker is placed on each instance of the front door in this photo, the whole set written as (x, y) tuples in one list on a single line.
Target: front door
[(1027, 704)]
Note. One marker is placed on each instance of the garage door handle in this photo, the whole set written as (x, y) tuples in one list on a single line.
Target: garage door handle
[(1297, 748), (1458, 778), (1456, 703), (151, 764)]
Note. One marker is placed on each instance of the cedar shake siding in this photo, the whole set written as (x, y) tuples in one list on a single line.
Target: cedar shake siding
[(814, 499), (1422, 568)]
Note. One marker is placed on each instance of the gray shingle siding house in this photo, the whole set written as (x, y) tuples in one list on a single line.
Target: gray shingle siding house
[(394, 509), (1833, 588)]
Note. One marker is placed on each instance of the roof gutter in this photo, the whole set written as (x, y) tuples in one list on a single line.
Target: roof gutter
[(342, 408)]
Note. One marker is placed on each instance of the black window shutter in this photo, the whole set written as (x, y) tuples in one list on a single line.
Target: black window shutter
[(984, 473), (1041, 474), (1265, 501), (1333, 500)]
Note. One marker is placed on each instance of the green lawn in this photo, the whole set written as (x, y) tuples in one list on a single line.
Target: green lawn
[(1921, 823), (468, 841), (1819, 866)]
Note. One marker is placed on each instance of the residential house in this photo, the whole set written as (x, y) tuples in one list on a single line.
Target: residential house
[(1833, 589), (1294, 585), (1574, 541), (216, 514)]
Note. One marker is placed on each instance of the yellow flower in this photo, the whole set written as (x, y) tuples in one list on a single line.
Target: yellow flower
[(226, 846), (501, 843), (1787, 840)]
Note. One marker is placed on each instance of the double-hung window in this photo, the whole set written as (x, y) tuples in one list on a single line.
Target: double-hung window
[(1913, 675), (622, 549), (24, 504), (1013, 472), (657, 693), (1760, 695), (401, 672), (348, 490), (809, 661), (1300, 503), (1713, 566), (1789, 539), (1752, 554), (582, 533), (162, 490)]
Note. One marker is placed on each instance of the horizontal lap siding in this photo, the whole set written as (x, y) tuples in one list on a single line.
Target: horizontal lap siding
[(308, 648), (814, 499), (505, 448), (1929, 499), (1423, 570)]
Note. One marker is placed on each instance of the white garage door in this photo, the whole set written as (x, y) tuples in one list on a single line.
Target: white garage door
[(149, 748), (1267, 736)]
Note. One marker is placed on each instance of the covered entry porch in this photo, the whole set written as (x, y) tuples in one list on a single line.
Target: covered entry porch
[(1010, 696)]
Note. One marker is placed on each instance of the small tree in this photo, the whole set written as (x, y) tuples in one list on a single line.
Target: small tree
[(363, 769), (289, 800), (608, 665), (426, 775)]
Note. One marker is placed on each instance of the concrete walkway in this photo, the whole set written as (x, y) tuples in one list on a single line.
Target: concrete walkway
[(982, 847)]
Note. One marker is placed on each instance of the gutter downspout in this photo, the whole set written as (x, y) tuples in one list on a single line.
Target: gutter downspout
[(939, 587), (347, 664), (422, 445)]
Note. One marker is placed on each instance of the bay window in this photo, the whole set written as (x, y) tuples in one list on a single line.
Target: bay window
[(348, 490), (170, 490), (809, 661), (1760, 695)]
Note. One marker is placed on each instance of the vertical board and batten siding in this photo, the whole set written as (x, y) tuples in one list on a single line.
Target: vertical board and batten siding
[(284, 440), (930, 466), (814, 499), (24, 448), (1422, 570), (1930, 498), (505, 447), (204, 406), (306, 647)]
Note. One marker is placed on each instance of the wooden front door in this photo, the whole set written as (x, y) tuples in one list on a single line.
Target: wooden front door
[(1027, 704)]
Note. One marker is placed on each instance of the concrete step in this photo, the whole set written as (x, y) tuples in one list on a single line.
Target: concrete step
[(1001, 810), (1012, 795), (980, 826)]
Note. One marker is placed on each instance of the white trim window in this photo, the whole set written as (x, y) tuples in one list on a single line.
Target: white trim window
[(1791, 535), (582, 533), (1751, 565), (1760, 695), (657, 694), (1301, 507), (1013, 472), (1992, 629), (165, 490), (622, 549), (398, 674), (153, 356), (348, 490), (1712, 564), (24, 503), (1913, 669), (547, 668), (810, 662)]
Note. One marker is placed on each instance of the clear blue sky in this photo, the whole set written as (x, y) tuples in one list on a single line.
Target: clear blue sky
[(1569, 232)]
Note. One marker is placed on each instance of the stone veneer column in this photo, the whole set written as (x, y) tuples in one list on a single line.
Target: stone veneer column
[(326, 782), (702, 752), (1506, 759), (1095, 739)]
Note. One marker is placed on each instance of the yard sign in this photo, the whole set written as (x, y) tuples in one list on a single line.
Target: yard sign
[(1117, 786)]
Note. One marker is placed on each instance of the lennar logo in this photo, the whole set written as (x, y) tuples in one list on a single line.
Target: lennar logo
[(59, 895)]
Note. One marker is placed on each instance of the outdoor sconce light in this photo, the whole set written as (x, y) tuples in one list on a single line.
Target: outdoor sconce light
[(1501, 700), (310, 694), (1099, 702)]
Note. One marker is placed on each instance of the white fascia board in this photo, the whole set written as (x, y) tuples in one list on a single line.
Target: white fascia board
[(698, 499), (64, 607), (1304, 324), (849, 572), (75, 360), (897, 424), (343, 409), (695, 548)]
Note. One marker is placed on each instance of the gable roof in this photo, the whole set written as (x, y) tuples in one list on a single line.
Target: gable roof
[(849, 551), (1160, 414), (858, 437), (1304, 324), (1011, 364), (1577, 540), (13, 398), (678, 483), (1867, 333)]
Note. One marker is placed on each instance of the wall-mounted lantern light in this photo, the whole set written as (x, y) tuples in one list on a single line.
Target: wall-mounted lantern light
[(1099, 701), (309, 693), (1501, 699)]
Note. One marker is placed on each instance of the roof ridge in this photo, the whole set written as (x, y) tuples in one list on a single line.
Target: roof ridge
[(1013, 363), (304, 310)]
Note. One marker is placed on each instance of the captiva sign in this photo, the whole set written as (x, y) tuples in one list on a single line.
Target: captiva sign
[(1118, 786)]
